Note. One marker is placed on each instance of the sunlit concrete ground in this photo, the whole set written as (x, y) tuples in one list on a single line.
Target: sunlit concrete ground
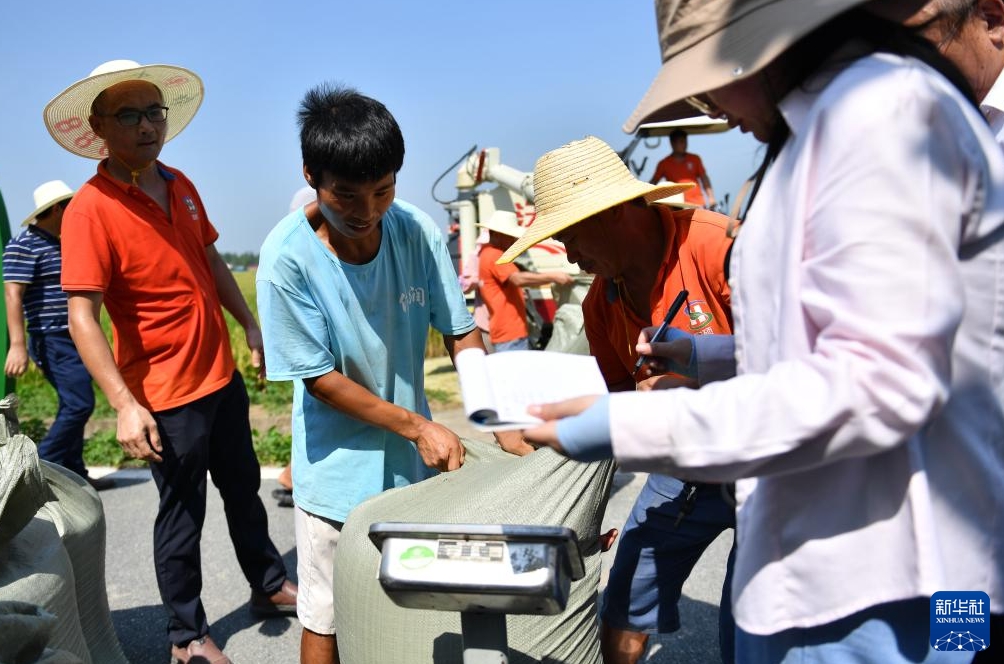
[(140, 620)]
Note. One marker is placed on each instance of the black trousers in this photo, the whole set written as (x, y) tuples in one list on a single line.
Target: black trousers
[(212, 433)]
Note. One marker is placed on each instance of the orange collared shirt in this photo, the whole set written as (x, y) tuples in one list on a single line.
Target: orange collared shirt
[(171, 341), (505, 301), (688, 169), (694, 259)]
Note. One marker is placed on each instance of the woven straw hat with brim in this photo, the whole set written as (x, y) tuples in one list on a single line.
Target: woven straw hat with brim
[(66, 115), (46, 195), (707, 44), (505, 222), (577, 181)]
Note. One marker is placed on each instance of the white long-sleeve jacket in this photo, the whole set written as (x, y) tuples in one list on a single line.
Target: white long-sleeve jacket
[(865, 426)]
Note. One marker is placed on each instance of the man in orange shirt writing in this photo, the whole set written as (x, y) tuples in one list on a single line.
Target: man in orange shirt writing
[(643, 256), (502, 285), (683, 166)]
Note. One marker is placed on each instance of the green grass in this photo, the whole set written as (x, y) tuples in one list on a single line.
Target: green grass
[(38, 399), (272, 447)]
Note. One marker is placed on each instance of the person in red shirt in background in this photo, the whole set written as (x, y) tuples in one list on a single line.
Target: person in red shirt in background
[(502, 285), (683, 166)]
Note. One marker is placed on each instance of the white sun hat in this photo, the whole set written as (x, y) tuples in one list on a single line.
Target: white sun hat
[(577, 181), (505, 222), (46, 195), (66, 116)]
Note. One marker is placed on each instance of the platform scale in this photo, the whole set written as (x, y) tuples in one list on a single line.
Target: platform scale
[(483, 571)]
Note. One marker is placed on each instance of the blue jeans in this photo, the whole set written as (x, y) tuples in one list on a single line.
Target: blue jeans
[(656, 554), (57, 357), (523, 343), (893, 633)]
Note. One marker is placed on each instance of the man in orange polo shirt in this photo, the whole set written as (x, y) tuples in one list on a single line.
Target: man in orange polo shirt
[(643, 256), (683, 166), (502, 285), (141, 245)]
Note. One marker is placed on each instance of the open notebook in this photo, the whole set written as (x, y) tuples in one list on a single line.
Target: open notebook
[(497, 388)]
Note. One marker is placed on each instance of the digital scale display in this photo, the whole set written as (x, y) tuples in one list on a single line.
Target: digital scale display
[(455, 567), (469, 550)]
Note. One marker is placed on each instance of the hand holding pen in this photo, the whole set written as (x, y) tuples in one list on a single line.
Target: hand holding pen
[(663, 330)]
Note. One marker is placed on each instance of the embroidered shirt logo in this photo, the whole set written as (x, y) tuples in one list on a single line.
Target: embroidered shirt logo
[(700, 320), (192, 210), (412, 296)]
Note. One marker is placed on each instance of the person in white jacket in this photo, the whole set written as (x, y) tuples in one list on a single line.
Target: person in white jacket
[(864, 427)]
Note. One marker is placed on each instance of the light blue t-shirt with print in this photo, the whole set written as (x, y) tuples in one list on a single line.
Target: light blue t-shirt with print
[(370, 323)]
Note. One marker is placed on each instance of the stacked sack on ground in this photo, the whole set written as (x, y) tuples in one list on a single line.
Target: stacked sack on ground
[(53, 605)]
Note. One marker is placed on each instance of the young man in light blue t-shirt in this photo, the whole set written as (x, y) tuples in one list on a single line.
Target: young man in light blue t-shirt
[(348, 286)]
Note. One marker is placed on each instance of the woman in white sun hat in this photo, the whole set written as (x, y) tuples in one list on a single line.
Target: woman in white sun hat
[(865, 427), (139, 243)]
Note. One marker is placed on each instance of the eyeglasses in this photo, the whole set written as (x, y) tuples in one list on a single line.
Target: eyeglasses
[(132, 117), (703, 106)]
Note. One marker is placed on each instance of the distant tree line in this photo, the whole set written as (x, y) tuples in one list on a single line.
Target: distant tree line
[(240, 261)]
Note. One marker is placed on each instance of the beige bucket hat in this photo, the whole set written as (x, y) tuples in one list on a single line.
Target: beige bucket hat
[(66, 115), (575, 182), (505, 222), (46, 195), (707, 44)]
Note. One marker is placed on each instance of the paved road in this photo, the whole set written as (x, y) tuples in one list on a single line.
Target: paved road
[(139, 617)]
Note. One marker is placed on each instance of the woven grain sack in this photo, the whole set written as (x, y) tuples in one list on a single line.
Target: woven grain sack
[(568, 331), (492, 487), (24, 634), (76, 511), (35, 569), (22, 490)]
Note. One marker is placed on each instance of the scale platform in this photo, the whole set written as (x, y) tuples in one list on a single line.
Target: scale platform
[(475, 568)]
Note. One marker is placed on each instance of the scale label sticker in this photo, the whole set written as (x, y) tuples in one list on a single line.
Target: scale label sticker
[(417, 557), (472, 551)]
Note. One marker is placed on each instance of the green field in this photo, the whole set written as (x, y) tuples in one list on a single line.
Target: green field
[(38, 399)]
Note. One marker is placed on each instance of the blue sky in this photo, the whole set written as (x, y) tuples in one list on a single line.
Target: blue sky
[(525, 76)]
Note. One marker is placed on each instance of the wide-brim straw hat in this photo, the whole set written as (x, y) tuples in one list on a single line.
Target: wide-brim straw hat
[(46, 195), (505, 222), (707, 44), (66, 116), (577, 181)]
